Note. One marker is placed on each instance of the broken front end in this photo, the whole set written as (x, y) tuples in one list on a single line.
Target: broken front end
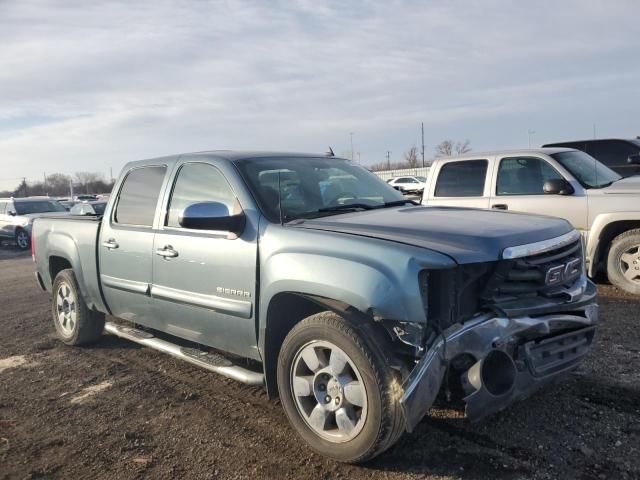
[(507, 327)]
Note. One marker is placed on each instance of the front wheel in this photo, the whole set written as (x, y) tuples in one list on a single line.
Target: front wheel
[(623, 262), (75, 324), (22, 239), (337, 390)]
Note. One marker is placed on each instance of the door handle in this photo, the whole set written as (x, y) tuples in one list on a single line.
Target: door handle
[(167, 252), (500, 206), (111, 244)]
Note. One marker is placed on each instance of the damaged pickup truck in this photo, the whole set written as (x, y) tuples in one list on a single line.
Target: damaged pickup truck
[(312, 277)]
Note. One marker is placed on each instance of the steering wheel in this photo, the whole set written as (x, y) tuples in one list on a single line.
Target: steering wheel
[(342, 195)]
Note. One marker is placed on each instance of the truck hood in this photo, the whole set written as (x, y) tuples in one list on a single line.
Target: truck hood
[(466, 235), (628, 185)]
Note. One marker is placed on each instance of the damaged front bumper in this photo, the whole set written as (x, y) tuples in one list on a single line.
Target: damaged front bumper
[(514, 357)]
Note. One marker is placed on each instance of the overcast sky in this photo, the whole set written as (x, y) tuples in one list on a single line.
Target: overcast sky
[(92, 85)]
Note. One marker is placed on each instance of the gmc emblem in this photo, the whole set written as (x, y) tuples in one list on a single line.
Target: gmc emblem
[(563, 273)]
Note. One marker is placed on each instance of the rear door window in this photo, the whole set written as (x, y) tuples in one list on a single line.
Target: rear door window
[(462, 179), (139, 196)]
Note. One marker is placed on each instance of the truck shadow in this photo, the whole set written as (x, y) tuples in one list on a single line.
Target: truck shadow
[(535, 434)]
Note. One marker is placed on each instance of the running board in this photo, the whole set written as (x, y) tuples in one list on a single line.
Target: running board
[(209, 361)]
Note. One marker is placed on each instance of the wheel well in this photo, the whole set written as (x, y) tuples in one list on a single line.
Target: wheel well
[(56, 265), (607, 235), (287, 309), (284, 312)]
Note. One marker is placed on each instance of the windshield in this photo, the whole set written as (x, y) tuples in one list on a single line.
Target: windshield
[(313, 187), (422, 179), (38, 206), (587, 170)]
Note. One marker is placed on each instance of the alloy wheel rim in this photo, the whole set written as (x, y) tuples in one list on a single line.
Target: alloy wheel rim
[(328, 391), (630, 264), (22, 240), (66, 309)]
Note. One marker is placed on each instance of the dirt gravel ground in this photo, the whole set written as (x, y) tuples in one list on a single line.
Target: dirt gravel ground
[(120, 411)]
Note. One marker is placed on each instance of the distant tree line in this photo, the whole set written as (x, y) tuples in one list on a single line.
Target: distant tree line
[(411, 158), (59, 185)]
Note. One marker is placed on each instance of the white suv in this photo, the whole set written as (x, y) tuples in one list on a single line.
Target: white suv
[(408, 184), (560, 182)]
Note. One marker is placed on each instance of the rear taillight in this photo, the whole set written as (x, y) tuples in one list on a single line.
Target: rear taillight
[(33, 247)]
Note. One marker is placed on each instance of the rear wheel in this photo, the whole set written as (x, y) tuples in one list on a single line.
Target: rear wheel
[(75, 324), (623, 262), (337, 390), (22, 239)]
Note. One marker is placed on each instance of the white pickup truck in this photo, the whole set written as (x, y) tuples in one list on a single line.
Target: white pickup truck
[(560, 182)]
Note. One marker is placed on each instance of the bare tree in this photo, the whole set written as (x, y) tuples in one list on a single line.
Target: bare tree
[(411, 157), (87, 180), (463, 147), (446, 148)]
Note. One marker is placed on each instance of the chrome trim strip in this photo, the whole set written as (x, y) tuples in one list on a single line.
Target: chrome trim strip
[(239, 308), (537, 248), (124, 284)]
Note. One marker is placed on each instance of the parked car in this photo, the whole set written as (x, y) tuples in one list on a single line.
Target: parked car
[(85, 198), (88, 208), (352, 307), (620, 155), (553, 181), (408, 184), (66, 203), (17, 216)]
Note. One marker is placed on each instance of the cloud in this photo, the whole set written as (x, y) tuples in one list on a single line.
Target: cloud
[(89, 86)]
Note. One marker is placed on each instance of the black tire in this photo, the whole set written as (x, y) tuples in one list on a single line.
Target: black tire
[(383, 423), (623, 252), (75, 324), (22, 239)]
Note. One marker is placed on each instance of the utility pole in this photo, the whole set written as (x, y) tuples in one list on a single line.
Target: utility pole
[(529, 133), (422, 128), (45, 184), (388, 160), (351, 137), (111, 174), (359, 161)]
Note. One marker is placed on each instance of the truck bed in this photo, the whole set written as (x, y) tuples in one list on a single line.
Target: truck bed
[(69, 242)]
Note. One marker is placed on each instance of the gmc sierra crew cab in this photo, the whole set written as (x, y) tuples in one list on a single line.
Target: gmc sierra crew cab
[(309, 275), (562, 182)]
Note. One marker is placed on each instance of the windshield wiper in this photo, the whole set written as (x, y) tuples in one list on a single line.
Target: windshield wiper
[(397, 203), (347, 206)]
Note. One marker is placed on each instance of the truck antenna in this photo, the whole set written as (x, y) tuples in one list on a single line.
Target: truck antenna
[(280, 199)]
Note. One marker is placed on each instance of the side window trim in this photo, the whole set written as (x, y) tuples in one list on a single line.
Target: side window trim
[(166, 204), (499, 165), (112, 214)]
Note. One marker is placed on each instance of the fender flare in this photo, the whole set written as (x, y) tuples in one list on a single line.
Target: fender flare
[(598, 226)]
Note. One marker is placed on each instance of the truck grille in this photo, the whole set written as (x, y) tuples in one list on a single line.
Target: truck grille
[(515, 286), (546, 274)]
